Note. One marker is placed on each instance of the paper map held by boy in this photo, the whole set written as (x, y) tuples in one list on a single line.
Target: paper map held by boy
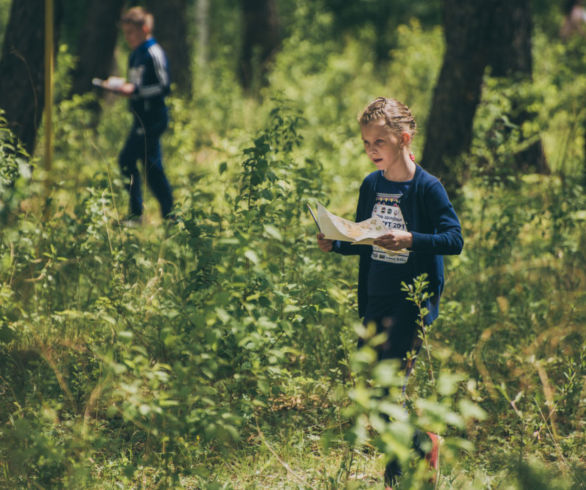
[(363, 233), (111, 83)]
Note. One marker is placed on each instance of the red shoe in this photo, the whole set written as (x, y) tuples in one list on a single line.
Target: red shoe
[(433, 456)]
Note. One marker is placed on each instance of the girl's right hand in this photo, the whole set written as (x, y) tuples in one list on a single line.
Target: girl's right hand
[(323, 244)]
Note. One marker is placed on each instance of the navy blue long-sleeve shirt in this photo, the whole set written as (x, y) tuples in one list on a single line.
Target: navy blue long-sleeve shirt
[(433, 223)]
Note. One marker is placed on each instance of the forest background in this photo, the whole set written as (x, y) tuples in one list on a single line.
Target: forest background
[(219, 351)]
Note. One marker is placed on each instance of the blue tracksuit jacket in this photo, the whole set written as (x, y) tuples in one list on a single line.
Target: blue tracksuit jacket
[(148, 69)]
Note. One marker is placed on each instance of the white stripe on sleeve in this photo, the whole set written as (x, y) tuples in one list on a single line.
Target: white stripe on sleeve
[(150, 90), (158, 57)]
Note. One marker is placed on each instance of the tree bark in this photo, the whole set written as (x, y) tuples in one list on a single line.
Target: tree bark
[(202, 20), (97, 41), (510, 56), (22, 64), (171, 33), (478, 34), (458, 89), (260, 39)]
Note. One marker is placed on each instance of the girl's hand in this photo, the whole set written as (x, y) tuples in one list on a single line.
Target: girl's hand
[(323, 244), (395, 240)]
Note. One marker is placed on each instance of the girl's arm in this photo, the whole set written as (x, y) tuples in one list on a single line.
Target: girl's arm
[(447, 236)]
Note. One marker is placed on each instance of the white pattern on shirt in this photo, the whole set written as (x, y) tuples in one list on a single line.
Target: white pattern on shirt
[(386, 207)]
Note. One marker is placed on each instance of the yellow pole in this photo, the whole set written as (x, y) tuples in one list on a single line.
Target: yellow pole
[(48, 93)]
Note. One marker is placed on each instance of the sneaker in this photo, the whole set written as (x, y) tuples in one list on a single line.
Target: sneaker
[(131, 221), (433, 456), (392, 473), (393, 470)]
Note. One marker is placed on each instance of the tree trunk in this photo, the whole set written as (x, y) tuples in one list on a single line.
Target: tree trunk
[(202, 20), (457, 91), (96, 44), (171, 33), (478, 34), (260, 39), (22, 65), (510, 56)]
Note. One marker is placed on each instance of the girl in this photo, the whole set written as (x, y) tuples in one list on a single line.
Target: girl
[(423, 227)]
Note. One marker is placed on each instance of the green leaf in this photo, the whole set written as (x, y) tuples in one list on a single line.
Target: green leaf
[(470, 410), (250, 255), (272, 232), (447, 384)]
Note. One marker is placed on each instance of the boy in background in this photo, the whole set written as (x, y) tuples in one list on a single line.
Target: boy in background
[(148, 84)]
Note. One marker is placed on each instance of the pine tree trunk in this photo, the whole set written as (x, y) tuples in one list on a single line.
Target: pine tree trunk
[(478, 34), (260, 40), (97, 41), (22, 65), (510, 56), (202, 20), (458, 89)]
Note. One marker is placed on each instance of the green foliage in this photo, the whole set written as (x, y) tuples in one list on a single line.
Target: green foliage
[(187, 342), (4, 14), (219, 351), (380, 405), (523, 316), (385, 16), (14, 171), (552, 100)]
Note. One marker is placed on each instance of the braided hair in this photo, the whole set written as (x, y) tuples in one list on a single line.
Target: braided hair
[(397, 116)]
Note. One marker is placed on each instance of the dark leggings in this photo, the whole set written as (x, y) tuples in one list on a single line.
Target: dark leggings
[(398, 319)]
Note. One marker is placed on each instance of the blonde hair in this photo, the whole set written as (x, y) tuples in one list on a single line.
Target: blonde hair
[(138, 17), (395, 114)]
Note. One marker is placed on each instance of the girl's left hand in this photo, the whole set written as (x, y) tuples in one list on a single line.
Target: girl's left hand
[(395, 240)]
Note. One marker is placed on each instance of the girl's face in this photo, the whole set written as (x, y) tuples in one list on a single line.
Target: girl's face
[(383, 147)]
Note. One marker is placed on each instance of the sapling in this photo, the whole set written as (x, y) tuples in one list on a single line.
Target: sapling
[(417, 293)]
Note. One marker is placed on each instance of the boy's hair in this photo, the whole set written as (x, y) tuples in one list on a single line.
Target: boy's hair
[(397, 116), (139, 17)]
